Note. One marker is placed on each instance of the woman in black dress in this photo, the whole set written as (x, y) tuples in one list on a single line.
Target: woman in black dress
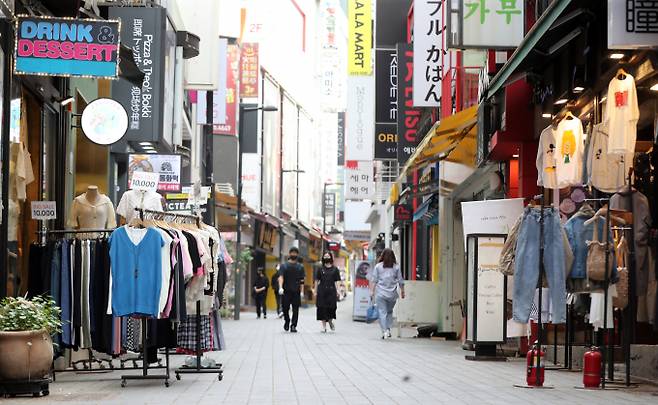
[(326, 291)]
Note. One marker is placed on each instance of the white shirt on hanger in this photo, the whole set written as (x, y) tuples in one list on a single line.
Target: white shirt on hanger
[(546, 159), (569, 152), (606, 171), (132, 199), (622, 114)]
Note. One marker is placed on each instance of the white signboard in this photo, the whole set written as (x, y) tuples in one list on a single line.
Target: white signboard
[(145, 181), (169, 167), (104, 121), (632, 24), (43, 210), (489, 24), (360, 116), (489, 298), (359, 181), (361, 289), (428, 53), (490, 217), (251, 169)]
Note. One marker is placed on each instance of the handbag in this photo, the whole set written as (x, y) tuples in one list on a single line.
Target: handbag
[(372, 314), (621, 300), (596, 253)]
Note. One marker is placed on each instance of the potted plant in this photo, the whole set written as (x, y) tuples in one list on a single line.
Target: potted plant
[(26, 347)]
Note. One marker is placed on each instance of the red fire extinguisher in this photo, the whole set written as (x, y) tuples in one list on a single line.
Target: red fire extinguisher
[(535, 358), (592, 368)]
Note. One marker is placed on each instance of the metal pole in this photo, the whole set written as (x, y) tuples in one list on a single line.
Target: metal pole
[(238, 239), (281, 188), (324, 215), (7, 41)]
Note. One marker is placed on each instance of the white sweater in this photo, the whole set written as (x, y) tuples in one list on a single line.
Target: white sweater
[(622, 114)]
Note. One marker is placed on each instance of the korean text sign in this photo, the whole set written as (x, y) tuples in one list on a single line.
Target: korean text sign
[(359, 44), (66, 47), (359, 181), (168, 166), (496, 24), (249, 71)]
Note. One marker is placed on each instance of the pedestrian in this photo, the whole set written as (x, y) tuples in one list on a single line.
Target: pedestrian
[(291, 288), (275, 288), (326, 291), (260, 292), (385, 281)]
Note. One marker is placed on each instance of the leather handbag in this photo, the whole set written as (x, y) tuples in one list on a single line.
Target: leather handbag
[(621, 300), (596, 252)]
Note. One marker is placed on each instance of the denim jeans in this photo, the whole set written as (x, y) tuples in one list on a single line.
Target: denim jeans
[(385, 308), (526, 267)]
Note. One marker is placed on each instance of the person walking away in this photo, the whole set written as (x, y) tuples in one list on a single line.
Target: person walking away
[(385, 281), (260, 292), (326, 292), (291, 288), (275, 288)]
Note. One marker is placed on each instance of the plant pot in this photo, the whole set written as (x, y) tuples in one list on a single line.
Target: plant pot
[(25, 355)]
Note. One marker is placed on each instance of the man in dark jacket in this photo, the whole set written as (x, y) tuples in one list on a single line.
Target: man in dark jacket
[(260, 292), (275, 288), (291, 288)]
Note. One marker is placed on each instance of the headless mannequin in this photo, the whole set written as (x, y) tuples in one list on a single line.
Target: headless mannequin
[(92, 210), (92, 194)]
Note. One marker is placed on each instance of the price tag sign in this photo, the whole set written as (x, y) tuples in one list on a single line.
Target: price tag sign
[(43, 210), (145, 181)]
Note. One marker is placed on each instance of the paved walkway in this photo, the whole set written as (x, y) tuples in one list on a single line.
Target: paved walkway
[(265, 365)]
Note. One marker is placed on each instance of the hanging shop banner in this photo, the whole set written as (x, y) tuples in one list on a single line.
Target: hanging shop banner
[(359, 43), (329, 209), (168, 166), (408, 116), (341, 139), (359, 181), (632, 24), (490, 217), (482, 24), (251, 175), (428, 30), (229, 126), (219, 96), (360, 118), (403, 213), (143, 31), (49, 46), (386, 84), (249, 71), (361, 290), (386, 141), (104, 121)]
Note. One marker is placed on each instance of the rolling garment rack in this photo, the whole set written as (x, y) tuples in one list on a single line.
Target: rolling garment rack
[(198, 369), (88, 363)]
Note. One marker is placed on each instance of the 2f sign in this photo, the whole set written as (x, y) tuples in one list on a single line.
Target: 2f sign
[(43, 210), (145, 181)]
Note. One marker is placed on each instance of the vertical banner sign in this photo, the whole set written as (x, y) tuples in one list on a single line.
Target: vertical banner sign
[(632, 24), (359, 181), (360, 118), (249, 71), (143, 31), (341, 139), (361, 290), (408, 116), (66, 47), (219, 96), (386, 104), (428, 27), (359, 42), (330, 209), (229, 125)]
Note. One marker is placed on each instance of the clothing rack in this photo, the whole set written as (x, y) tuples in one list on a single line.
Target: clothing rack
[(185, 369)]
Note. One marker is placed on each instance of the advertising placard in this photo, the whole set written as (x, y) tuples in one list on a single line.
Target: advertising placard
[(359, 40), (66, 47), (408, 116), (43, 210), (168, 166), (229, 125), (361, 289), (428, 53), (249, 68), (360, 118)]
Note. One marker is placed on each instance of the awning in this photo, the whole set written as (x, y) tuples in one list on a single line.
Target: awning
[(529, 42)]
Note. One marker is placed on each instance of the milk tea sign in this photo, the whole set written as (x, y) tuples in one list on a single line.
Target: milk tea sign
[(49, 46)]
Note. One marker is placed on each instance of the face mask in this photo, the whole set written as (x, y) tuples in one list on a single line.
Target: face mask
[(293, 258), (325, 261)]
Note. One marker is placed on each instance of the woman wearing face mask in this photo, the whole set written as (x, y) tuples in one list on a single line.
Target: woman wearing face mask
[(326, 291)]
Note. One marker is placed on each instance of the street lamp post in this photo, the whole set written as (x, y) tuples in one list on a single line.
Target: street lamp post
[(281, 204), (238, 239)]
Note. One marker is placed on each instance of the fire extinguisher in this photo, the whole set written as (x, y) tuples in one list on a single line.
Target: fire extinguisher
[(535, 374), (592, 368)]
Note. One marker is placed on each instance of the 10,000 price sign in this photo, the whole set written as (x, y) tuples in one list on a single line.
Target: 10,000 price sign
[(44, 210)]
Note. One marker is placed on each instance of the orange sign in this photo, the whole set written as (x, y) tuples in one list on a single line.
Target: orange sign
[(249, 71)]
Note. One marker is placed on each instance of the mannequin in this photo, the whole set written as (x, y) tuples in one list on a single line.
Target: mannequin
[(131, 199), (92, 210)]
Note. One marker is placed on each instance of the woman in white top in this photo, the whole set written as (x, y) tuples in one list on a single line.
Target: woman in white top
[(385, 280)]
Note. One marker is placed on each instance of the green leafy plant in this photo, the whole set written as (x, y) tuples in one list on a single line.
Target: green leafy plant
[(22, 314), (245, 258)]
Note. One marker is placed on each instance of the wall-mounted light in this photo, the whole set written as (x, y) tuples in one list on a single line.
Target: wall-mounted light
[(654, 87), (561, 101), (578, 89), (66, 101), (603, 99), (617, 56), (515, 156), (145, 143), (547, 115)]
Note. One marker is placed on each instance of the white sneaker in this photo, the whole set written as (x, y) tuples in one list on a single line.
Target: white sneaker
[(388, 333), (383, 335), (331, 325), (323, 329)]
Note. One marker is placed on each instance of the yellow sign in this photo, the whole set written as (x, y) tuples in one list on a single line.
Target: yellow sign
[(359, 45)]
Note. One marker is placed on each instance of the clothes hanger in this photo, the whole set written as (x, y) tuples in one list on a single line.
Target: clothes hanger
[(569, 115), (621, 74)]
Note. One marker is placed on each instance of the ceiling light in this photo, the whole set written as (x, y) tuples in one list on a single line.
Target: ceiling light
[(148, 148), (145, 143), (515, 156), (66, 101), (654, 87), (547, 115), (617, 56), (151, 151), (561, 101), (578, 89)]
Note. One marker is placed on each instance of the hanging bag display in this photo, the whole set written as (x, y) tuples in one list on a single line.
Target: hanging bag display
[(621, 300), (596, 257)]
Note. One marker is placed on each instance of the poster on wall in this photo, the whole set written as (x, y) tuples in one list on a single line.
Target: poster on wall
[(361, 290), (490, 217), (66, 47), (167, 166)]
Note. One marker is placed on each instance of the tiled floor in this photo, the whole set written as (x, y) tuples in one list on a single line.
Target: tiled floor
[(265, 365)]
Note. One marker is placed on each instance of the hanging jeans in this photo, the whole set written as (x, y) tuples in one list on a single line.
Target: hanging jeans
[(526, 267), (385, 308)]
